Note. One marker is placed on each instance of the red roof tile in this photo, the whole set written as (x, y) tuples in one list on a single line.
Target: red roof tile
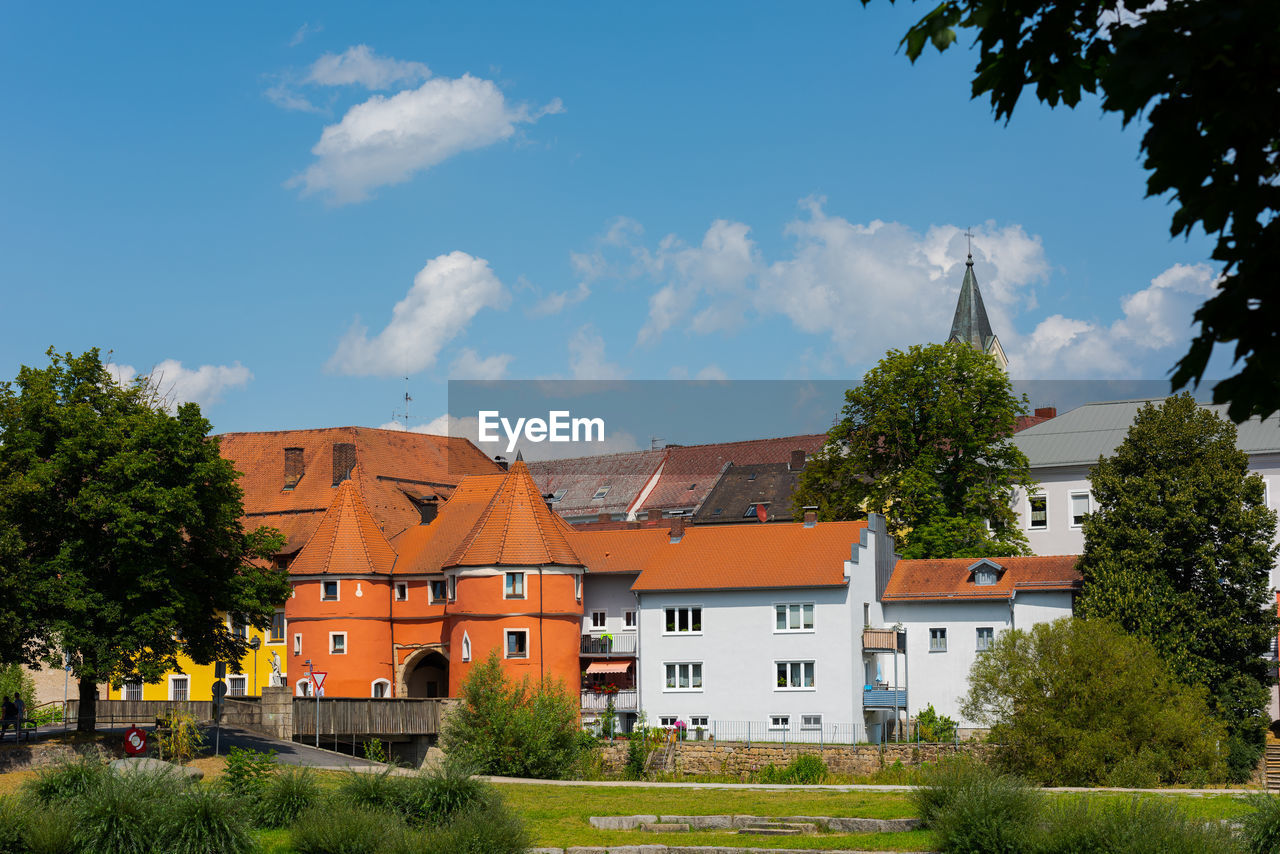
[(516, 529), (347, 540), (951, 578), (425, 548), (581, 478)]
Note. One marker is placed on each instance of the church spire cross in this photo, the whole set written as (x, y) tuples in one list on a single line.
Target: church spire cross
[(969, 235)]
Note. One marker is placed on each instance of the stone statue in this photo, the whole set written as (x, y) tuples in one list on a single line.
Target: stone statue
[(277, 678)]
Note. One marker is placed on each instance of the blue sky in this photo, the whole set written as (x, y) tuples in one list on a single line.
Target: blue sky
[(285, 209)]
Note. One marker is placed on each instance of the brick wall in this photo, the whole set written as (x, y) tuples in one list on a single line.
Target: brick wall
[(739, 758)]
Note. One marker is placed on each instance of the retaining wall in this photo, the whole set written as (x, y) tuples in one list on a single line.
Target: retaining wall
[(740, 759)]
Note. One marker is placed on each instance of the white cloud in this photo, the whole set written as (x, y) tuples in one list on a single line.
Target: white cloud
[(449, 291), (385, 140), (286, 98), (303, 31), (558, 301), (586, 357), (470, 366), (712, 372), (360, 66), (175, 384)]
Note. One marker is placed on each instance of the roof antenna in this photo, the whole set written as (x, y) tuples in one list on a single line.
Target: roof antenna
[(397, 415)]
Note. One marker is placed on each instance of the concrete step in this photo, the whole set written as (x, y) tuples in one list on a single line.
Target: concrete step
[(779, 828), (664, 827)]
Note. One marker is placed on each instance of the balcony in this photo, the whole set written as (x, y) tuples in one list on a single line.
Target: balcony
[(882, 640), (623, 701), (621, 644), (884, 698)]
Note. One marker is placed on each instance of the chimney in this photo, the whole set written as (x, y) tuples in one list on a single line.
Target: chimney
[(604, 517), (810, 516), (655, 514), (1046, 412), (797, 460), (677, 528), (294, 467), (428, 509), (502, 462), (344, 460)]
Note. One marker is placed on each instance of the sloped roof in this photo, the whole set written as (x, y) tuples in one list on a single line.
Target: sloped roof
[(516, 529), (742, 486), (425, 548), (390, 465), (347, 540), (690, 472), (952, 578), (970, 323), (581, 477), (1095, 430)]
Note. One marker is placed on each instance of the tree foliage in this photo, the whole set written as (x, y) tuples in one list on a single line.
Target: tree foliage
[(515, 729), (121, 529), (1203, 75), (1180, 552), (925, 439), (1080, 703)]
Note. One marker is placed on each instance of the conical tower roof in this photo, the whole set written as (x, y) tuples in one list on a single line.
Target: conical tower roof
[(970, 323), (516, 529), (348, 540)]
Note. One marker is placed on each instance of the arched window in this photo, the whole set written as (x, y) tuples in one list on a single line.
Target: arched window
[(466, 647), (381, 688), (304, 688)]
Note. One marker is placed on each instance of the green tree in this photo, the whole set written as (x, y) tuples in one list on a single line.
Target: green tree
[(1203, 77), (121, 529), (1080, 703), (516, 729), (925, 439), (1180, 552)]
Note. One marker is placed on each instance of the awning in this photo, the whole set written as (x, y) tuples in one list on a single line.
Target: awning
[(608, 667)]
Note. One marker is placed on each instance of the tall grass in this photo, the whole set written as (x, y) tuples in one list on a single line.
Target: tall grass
[(341, 828), (285, 796), (50, 830), (69, 780), (1261, 828), (434, 797), (482, 829), (204, 821), (12, 823), (122, 814), (1080, 825)]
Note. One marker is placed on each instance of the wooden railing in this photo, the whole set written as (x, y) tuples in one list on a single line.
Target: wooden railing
[(359, 715), (128, 712)]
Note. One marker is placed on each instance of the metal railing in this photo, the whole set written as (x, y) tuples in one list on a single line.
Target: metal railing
[(623, 643), (764, 731), (371, 716), (624, 700), (884, 698)]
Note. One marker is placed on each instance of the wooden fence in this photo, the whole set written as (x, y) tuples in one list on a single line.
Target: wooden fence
[(357, 715), (136, 712)]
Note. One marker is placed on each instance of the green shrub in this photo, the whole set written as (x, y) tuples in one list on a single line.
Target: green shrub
[(49, 830), (374, 750), (204, 821), (990, 815), (807, 769), (340, 828), (1261, 828), (1083, 825), (369, 791), (433, 798), (13, 821), (286, 795), (123, 813), (68, 780), (247, 772), (640, 743), (487, 829), (933, 727), (940, 784)]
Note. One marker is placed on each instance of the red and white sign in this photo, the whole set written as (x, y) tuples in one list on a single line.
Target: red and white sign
[(317, 679), (135, 741)]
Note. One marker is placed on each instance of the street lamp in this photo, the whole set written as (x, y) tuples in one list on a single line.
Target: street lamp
[(255, 643)]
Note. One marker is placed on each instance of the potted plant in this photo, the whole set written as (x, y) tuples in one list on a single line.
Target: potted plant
[(607, 639), (681, 730)]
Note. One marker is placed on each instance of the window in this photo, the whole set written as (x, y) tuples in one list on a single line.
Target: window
[(577, 587), (557, 495), (517, 643), (597, 620), (629, 619), (667, 721), (131, 691), (179, 688), (1038, 520), (381, 688), (795, 674), (236, 685), (866, 613), (985, 575), (402, 591), (684, 620), (1079, 507), (985, 637), (600, 493), (329, 591), (439, 591), (338, 643), (698, 720), (453, 587), (684, 677), (304, 688), (793, 618), (752, 509), (937, 640), (466, 647), (297, 644), (811, 722), (779, 721), (240, 630), (277, 628), (514, 588)]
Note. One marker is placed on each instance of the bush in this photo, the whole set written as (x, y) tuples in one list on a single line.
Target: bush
[(433, 798), (933, 727), (182, 740), (123, 813), (1080, 825), (517, 730), (987, 813), (369, 791), (67, 781), (247, 772), (941, 784), (49, 830), (13, 822), (340, 828), (204, 821), (286, 795), (1261, 828), (806, 769), (487, 829)]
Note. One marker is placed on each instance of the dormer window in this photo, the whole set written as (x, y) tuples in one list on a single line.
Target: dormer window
[(985, 572)]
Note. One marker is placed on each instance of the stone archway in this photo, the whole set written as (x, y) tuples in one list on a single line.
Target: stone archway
[(425, 673)]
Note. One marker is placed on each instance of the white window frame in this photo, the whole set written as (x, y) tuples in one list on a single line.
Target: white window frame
[(811, 722), (676, 622), (789, 664), (668, 721), (231, 690), (675, 688), (135, 684), (333, 650), (779, 722), (337, 587), (466, 646), (373, 688), (1031, 525), (431, 591), (302, 688), (629, 619), (453, 587), (402, 591), (940, 636), (699, 721), (1071, 515), (297, 643), (577, 587), (510, 580), (179, 677), (978, 638), (602, 625), (813, 608), (506, 644), (601, 492), (284, 628)]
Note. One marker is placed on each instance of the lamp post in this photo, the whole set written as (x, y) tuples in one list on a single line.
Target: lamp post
[(255, 643), (311, 682)]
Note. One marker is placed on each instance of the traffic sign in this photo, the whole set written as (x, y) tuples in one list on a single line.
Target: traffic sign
[(135, 741), (317, 677), (219, 669), (219, 691)]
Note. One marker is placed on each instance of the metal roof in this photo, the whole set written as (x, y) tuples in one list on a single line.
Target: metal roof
[(1095, 430)]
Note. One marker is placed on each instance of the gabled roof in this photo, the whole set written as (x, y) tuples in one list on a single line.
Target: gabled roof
[(943, 579), (582, 477), (743, 486), (970, 324), (348, 540), (1095, 430), (516, 529), (425, 548)]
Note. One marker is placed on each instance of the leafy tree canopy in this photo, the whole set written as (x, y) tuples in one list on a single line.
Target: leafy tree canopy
[(1203, 74), (1080, 703), (1180, 552), (926, 440), (120, 529)]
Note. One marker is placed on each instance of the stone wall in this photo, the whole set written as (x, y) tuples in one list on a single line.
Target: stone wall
[(739, 759), (43, 754)]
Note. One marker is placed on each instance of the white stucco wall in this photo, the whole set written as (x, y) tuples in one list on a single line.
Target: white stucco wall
[(611, 594)]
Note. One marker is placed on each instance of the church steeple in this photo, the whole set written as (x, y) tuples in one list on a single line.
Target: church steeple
[(970, 324)]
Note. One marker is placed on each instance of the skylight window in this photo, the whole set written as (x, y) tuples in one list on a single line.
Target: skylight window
[(558, 495), (601, 492)]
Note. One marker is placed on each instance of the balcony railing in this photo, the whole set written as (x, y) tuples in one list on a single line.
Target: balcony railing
[(884, 698), (880, 640), (623, 643), (623, 701)]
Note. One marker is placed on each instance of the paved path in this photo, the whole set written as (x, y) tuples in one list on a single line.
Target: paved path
[(291, 752)]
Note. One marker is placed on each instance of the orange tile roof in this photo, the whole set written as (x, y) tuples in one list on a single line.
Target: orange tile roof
[(347, 540), (425, 548), (516, 529), (950, 578)]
